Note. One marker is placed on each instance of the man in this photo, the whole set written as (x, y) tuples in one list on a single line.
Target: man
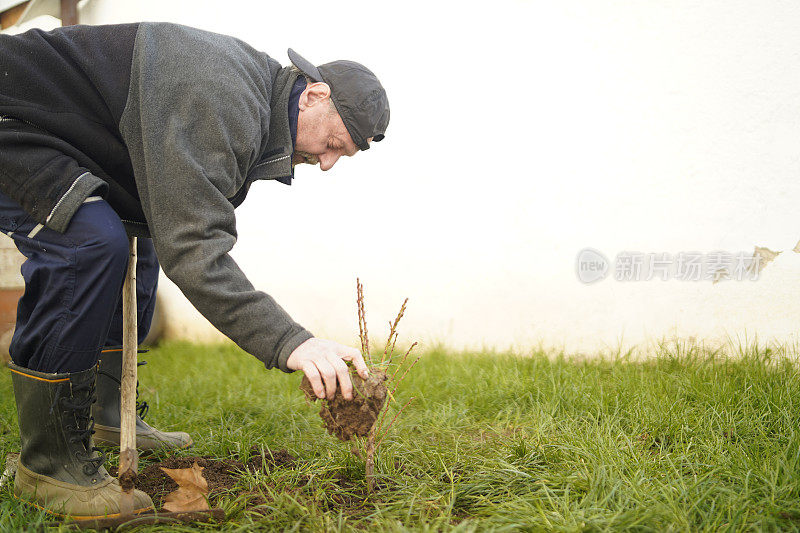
[(158, 131)]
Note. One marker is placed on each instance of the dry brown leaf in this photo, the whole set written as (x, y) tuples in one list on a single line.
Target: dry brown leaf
[(192, 489), (765, 256)]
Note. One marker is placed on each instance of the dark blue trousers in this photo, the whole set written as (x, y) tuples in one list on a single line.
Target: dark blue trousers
[(72, 306)]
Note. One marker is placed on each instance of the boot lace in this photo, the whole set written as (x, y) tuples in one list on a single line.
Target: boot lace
[(142, 407), (80, 405)]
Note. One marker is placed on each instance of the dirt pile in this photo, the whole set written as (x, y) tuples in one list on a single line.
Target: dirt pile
[(219, 473), (348, 418)]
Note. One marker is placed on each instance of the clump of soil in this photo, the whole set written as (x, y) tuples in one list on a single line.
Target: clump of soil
[(348, 418), (219, 473), (127, 480)]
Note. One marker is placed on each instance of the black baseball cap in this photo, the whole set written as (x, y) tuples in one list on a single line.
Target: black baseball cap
[(357, 94)]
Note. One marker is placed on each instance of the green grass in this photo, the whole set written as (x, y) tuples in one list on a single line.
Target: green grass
[(685, 441)]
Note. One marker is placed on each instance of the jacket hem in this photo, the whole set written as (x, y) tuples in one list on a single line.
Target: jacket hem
[(136, 229), (289, 346), (84, 186)]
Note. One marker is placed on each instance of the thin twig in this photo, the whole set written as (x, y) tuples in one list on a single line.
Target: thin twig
[(403, 360), (386, 431), (393, 331), (391, 379), (397, 384), (399, 381), (391, 393), (362, 321), (394, 343)]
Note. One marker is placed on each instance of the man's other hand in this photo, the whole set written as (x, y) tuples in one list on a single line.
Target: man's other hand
[(323, 362)]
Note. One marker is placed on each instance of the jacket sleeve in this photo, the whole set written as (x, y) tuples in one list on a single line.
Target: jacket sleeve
[(191, 145)]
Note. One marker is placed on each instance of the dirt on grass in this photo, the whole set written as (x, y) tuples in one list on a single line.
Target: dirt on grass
[(219, 473), (348, 418)]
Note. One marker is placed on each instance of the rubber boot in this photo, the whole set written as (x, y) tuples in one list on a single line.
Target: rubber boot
[(106, 411), (59, 470)]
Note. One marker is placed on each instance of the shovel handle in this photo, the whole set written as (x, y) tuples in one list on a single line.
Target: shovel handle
[(128, 457)]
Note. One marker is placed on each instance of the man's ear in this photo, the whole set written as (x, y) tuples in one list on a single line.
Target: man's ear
[(313, 94)]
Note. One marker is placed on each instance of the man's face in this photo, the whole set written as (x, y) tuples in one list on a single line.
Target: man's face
[(321, 135)]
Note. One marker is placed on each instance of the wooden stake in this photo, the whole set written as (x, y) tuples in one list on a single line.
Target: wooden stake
[(128, 456)]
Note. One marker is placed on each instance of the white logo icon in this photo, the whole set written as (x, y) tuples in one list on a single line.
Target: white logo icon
[(591, 265)]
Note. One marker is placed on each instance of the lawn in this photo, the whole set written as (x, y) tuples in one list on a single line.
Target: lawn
[(685, 441)]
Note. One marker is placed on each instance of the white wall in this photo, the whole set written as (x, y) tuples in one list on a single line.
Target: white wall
[(521, 133)]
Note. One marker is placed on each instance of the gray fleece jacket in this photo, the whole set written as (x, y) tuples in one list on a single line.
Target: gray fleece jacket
[(176, 140), (198, 123)]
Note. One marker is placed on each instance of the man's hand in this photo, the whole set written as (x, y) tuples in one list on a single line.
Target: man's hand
[(323, 362)]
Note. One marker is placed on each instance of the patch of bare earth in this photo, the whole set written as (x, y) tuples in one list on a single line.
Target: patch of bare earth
[(221, 474)]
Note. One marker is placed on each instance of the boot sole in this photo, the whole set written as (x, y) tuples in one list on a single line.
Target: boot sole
[(27, 485), (77, 517)]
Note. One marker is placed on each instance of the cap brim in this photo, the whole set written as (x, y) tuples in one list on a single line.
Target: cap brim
[(304, 65)]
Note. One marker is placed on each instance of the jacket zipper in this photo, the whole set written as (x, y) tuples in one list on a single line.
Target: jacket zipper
[(12, 119), (239, 196)]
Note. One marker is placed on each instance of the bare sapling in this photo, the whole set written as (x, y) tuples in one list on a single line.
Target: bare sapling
[(362, 419)]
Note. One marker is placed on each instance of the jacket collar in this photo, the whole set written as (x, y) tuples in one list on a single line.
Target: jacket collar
[(276, 160)]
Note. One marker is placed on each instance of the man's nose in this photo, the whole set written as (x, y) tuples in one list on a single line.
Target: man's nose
[(326, 162)]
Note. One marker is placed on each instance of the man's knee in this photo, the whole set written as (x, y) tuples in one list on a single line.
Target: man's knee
[(99, 235)]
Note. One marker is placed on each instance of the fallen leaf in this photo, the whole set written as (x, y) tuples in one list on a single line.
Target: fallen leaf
[(762, 256), (192, 489)]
